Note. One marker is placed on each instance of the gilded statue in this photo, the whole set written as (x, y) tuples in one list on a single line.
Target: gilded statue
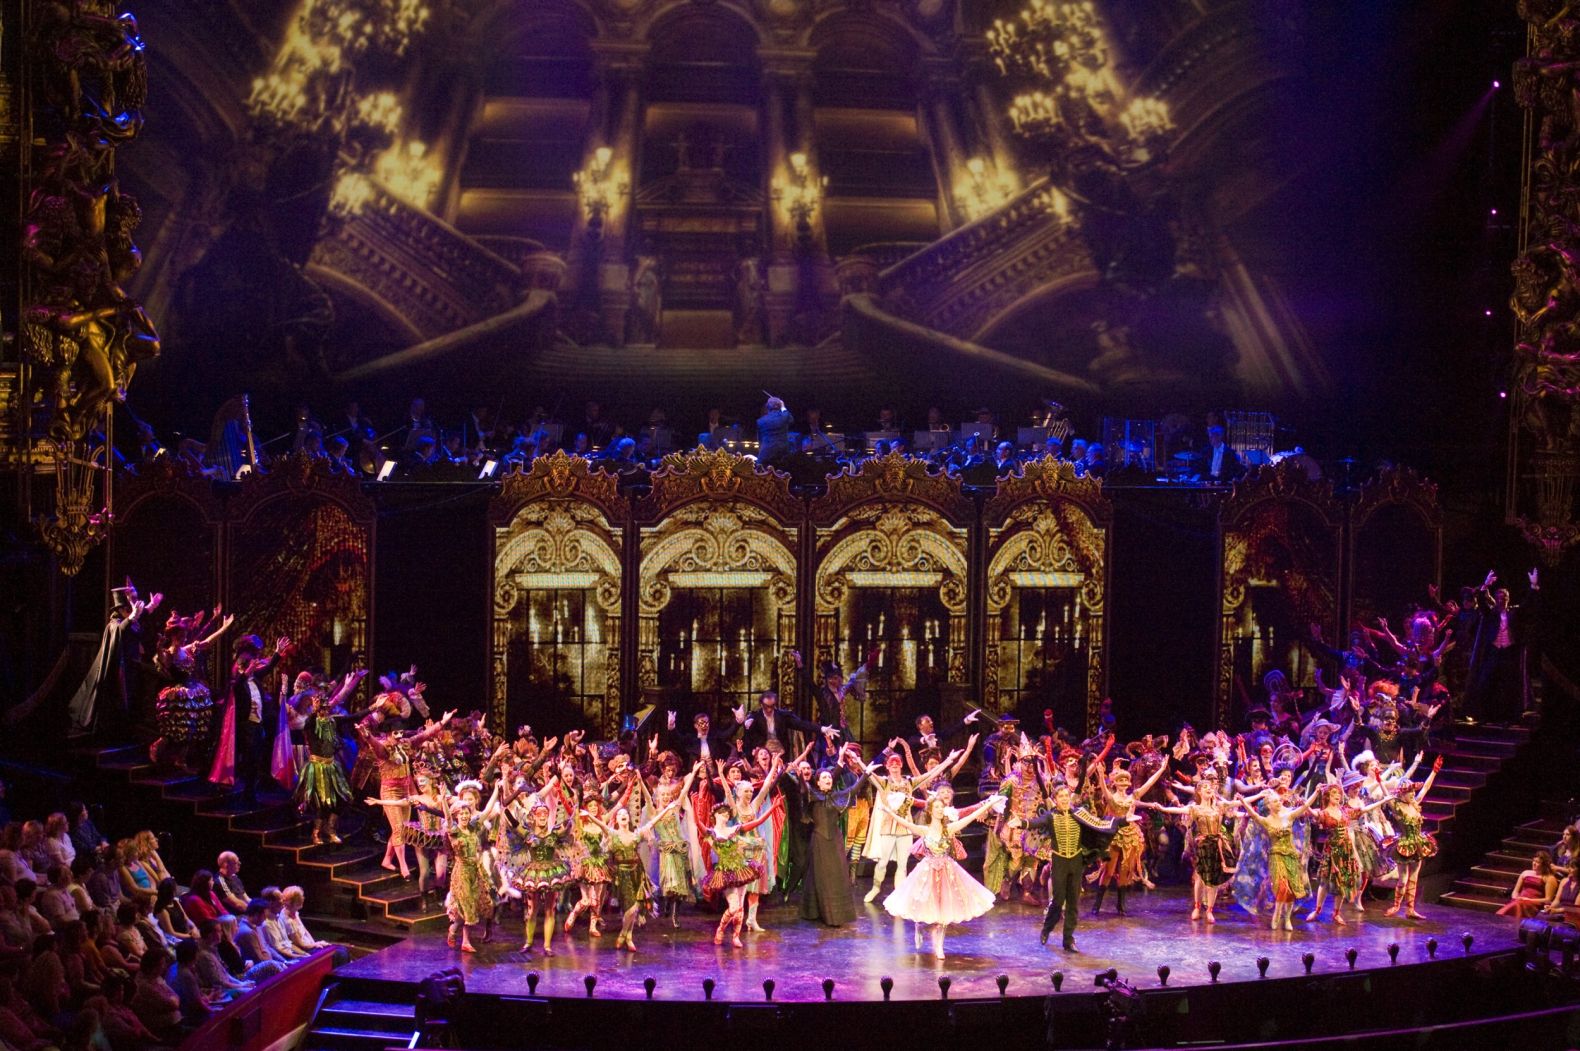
[(749, 290), (647, 302)]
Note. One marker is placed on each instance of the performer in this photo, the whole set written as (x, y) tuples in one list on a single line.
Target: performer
[(103, 688), (322, 789), (1340, 869), (539, 870), (826, 894), (1413, 846), (185, 710), (747, 805), (1077, 836), (1286, 867), (592, 865), (469, 902), (1212, 849), (250, 716), (831, 688), (393, 752), (732, 873), (1023, 847), (889, 842), (938, 891), (1125, 864), (678, 860), (631, 884)]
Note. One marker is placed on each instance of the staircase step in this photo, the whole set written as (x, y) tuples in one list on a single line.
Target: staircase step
[(367, 876), (1484, 886), (1469, 901), (333, 856), (349, 1038), (392, 894), (1480, 746), (1451, 776), (1487, 764), (411, 914), (195, 790), (369, 1017), (1493, 874)]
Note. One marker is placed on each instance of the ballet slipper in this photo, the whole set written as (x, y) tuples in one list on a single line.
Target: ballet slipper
[(1339, 919), (1210, 917), (467, 947), (1311, 917), (388, 865), (1195, 914)]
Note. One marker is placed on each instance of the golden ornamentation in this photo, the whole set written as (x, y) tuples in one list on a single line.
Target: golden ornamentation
[(560, 541), (303, 475), (1543, 494), (79, 523), (702, 474), (892, 478), (1261, 539), (562, 476), (1045, 520)]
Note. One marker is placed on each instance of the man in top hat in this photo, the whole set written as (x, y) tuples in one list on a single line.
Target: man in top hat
[(830, 689), (257, 711), (103, 692)]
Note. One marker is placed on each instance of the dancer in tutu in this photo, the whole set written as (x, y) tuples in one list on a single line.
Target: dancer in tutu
[(1413, 846), (631, 883), (322, 790), (1286, 866), (1213, 850), (732, 872), (938, 892)]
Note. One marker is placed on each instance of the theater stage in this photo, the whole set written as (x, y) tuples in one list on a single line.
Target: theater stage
[(799, 956)]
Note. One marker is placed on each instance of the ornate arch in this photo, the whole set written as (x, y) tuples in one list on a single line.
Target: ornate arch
[(558, 526), (1398, 492), (1048, 528), (299, 558), (717, 520), (1278, 529)]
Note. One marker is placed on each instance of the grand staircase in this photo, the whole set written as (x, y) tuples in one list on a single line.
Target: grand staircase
[(269, 835), (1476, 754), (1486, 887)]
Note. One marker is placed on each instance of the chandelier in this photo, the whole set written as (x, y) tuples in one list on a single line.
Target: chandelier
[(799, 194), (312, 88), (1070, 97), (600, 189)]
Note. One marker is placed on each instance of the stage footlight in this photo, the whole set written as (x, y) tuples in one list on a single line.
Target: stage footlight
[(828, 989), (532, 983), (1262, 963), (1393, 953), (1213, 967), (1308, 960), (1058, 980), (1467, 940), (768, 988), (1002, 981), (943, 987), (887, 985), (1350, 956), (707, 988), (1163, 974), (1431, 948), (648, 985), (591, 982)]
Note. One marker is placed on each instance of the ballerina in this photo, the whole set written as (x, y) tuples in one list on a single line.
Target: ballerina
[(186, 707), (631, 884), (747, 804), (677, 869), (1413, 846), (938, 892), (392, 754), (592, 864), (732, 873), (1286, 869), (1213, 864)]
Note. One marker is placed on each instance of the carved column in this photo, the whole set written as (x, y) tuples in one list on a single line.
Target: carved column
[(937, 117), (988, 116)]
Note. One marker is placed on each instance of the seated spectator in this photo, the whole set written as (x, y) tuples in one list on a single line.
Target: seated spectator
[(255, 947), (229, 886), (274, 930), (1565, 906), (173, 921), (85, 1032), (195, 1006), (147, 846), (80, 870), (148, 927), (201, 902), (124, 1029), (230, 955), (103, 882), (32, 847), (57, 841), (137, 882), (55, 902), (1567, 850), (85, 836), (13, 866), (103, 930), (14, 1031), (27, 907), (16, 1011), (44, 981), (79, 957), (216, 979), (16, 926), (156, 1004), (128, 935), (291, 901)]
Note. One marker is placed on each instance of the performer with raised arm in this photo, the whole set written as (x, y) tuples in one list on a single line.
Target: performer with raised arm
[(186, 707), (938, 891), (1077, 835), (1286, 869), (1213, 850), (631, 884), (888, 841), (1125, 863)]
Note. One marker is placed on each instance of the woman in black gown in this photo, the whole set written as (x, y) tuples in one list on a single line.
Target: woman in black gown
[(825, 896)]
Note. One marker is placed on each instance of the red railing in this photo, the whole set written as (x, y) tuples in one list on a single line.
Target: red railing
[(274, 1010)]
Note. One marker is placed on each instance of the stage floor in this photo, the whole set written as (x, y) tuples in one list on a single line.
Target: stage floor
[(798, 956)]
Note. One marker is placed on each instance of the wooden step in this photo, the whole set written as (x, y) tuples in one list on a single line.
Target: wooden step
[(1487, 764), (348, 1038), (1469, 901), (1492, 875), (1452, 776), (1483, 886), (369, 1016)]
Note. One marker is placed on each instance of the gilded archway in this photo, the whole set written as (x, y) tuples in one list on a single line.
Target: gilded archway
[(1046, 635), (557, 590)]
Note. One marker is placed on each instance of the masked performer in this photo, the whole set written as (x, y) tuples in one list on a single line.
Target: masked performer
[(186, 708)]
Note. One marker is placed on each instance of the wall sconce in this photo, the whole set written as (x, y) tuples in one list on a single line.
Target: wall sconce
[(978, 192), (410, 173), (599, 190), (351, 193), (800, 195)]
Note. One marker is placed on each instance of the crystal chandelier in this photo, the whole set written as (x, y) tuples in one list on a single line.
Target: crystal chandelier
[(1071, 98), (312, 88)]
